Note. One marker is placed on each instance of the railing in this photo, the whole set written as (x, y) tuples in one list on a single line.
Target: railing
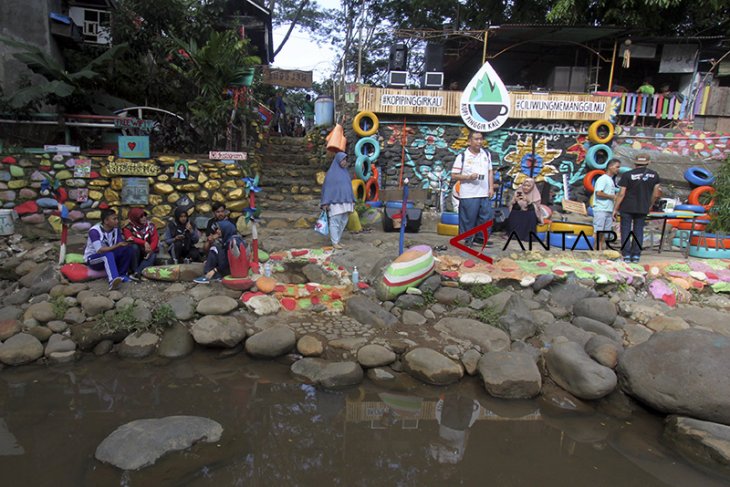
[(661, 107)]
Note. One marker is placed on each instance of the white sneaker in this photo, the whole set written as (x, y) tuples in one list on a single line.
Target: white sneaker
[(116, 282)]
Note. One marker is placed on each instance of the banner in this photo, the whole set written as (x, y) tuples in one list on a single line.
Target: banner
[(290, 78)]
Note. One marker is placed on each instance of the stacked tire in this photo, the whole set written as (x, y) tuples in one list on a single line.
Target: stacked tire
[(448, 224), (367, 150)]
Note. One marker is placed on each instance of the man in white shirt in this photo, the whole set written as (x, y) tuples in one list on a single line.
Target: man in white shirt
[(473, 168)]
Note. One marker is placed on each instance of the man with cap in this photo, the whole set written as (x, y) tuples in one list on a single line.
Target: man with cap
[(638, 191)]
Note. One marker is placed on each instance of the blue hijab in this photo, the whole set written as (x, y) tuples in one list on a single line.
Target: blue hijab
[(337, 187), (228, 231)]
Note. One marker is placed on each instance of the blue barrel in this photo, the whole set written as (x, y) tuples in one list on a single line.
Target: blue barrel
[(324, 111)]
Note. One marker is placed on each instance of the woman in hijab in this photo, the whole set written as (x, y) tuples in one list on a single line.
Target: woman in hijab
[(217, 265), (525, 211), (338, 199), (181, 237), (143, 235)]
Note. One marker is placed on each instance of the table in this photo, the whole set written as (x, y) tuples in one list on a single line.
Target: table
[(684, 215)]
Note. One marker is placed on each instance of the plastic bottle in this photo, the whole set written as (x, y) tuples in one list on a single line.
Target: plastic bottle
[(267, 269), (355, 277)]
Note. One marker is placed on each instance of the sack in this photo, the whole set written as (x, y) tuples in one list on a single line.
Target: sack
[(322, 225)]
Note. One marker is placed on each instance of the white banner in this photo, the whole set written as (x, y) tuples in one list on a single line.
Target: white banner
[(232, 156), (560, 106), (394, 100)]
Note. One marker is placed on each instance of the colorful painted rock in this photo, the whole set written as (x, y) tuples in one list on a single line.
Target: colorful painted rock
[(238, 283), (410, 269), (80, 273), (172, 273), (26, 208)]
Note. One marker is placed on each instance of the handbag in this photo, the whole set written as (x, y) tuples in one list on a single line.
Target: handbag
[(322, 225)]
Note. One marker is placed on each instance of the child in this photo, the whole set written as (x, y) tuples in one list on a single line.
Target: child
[(144, 241), (107, 250)]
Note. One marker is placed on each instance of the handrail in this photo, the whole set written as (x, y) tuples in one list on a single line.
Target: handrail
[(661, 107)]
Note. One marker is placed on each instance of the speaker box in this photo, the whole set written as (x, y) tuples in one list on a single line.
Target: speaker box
[(413, 224), (432, 80), (398, 57), (434, 57), (397, 78)]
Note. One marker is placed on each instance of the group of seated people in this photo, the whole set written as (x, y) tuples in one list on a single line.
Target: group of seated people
[(124, 253)]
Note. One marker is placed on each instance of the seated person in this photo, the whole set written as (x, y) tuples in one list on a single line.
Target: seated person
[(181, 237), (525, 211), (217, 265), (219, 215), (107, 250), (144, 241)]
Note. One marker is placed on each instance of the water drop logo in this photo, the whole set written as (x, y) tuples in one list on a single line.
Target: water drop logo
[(485, 102)]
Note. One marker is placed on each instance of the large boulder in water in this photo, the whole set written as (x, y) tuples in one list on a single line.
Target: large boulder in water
[(681, 372)]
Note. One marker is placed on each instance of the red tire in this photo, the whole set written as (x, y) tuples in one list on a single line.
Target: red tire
[(590, 177), (694, 196)]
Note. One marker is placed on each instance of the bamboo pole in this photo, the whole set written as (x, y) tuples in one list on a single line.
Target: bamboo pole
[(613, 65), (484, 49)]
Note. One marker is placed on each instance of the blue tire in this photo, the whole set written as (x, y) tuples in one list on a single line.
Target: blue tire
[(699, 176), (450, 218), (556, 240), (692, 208), (374, 204), (398, 204), (708, 253), (360, 146), (593, 152), (362, 167)]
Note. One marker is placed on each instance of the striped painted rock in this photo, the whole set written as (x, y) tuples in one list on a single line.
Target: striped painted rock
[(410, 269), (173, 273)]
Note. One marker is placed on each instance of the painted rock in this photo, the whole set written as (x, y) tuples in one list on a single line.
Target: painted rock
[(27, 194), (166, 160), (163, 178), (189, 187), (93, 215), (237, 205), (202, 178), (266, 284), (9, 160), (235, 194), (17, 183), (75, 215), (212, 185), (217, 196), (76, 183), (236, 173), (71, 163), (408, 270), (158, 223), (7, 195), (162, 188), (33, 218), (173, 197), (5, 176), (17, 171), (47, 203), (203, 208), (57, 158), (9, 205), (3, 186), (204, 195), (98, 183), (26, 208), (95, 195), (155, 199), (86, 204), (111, 196), (230, 185), (171, 273), (64, 174), (117, 183), (161, 210)]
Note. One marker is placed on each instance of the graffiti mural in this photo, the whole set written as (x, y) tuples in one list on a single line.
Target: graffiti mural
[(679, 142)]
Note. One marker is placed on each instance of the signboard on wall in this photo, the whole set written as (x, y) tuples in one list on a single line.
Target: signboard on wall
[(135, 191), (291, 78), (134, 123), (120, 168), (134, 147), (217, 155), (678, 58), (485, 103)]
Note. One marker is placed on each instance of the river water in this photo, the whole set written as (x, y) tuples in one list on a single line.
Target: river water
[(277, 431)]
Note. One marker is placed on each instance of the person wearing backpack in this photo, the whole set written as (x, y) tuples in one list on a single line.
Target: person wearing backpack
[(473, 170)]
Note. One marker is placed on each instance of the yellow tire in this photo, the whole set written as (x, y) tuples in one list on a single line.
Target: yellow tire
[(446, 229), (358, 128), (593, 135), (574, 228), (358, 189), (543, 228)]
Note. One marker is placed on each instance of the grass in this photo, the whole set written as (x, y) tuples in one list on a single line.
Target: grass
[(428, 297), (484, 291), (60, 306), (123, 320), (163, 317), (490, 316)]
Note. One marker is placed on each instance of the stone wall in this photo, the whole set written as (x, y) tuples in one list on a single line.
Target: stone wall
[(22, 180)]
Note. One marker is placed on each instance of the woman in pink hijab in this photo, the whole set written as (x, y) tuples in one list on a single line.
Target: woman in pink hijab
[(525, 211)]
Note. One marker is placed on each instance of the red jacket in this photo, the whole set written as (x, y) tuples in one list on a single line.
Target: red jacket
[(154, 238)]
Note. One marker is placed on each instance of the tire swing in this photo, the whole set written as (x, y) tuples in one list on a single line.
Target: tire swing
[(593, 152), (362, 164), (372, 191), (590, 178), (699, 176), (358, 126), (360, 148), (358, 189), (599, 125), (694, 196)]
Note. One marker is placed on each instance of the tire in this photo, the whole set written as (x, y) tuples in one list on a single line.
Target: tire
[(699, 176), (450, 218), (446, 229), (362, 167), (685, 225), (359, 118), (593, 135), (710, 241), (543, 228), (556, 240), (593, 151), (694, 196), (358, 189), (590, 177), (374, 204), (704, 253), (398, 204), (692, 208), (361, 144), (372, 190), (574, 228)]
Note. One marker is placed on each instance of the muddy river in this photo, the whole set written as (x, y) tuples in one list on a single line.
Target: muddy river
[(280, 432)]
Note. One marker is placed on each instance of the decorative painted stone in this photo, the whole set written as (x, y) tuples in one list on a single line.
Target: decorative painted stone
[(27, 194), (110, 195), (81, 226), (212, 185), (70, 205), (76, 183), (173, 197), (70, 163), (47, 203), (166, 160), (237, 205), (155, 199), (75, 215), (95, 195), (93, 215), (189, 187), (191, 196), (3, 185), (34, 218), (204, 194), (162, 188), (87, 204), (194, 169), (202, 178), (161, 210), (35, 185), (117, 184), (9, 205), (235, 194), (27, 163), (230, 185), (17, 183), (57, 158), (5, 176), (203, 208), (218, 197), (209, 165), (159, 223), (163, 178), (64, 174), (99, 183), (7, 195), (214, 175), (236, 173), (319, 177), (9, 160)]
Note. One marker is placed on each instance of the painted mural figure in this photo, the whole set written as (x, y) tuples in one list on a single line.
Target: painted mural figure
[(473, 170)]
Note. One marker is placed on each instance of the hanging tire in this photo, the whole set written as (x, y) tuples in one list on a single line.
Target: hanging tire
[(356, 123), (692, 208), (593, 132), (446, 229), (593, 152), (590, 178), (450, 218), (358, 189), (372, 191), (694, 196), (362, 164), (359, 147), (699, 176)]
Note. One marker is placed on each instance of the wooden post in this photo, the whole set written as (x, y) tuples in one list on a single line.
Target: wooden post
[(484, 49), (613, 65)]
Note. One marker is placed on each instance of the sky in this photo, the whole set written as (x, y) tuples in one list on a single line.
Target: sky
[(301, 53)]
